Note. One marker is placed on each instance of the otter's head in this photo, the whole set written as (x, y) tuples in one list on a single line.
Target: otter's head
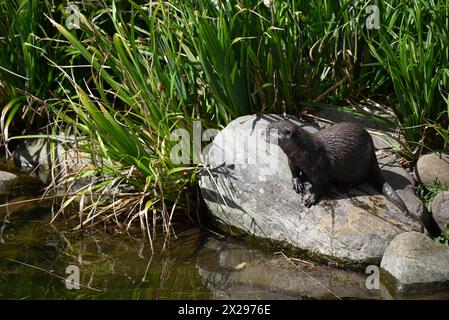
[(279, 132)]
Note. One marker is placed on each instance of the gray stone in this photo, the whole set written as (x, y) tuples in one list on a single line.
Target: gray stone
[(34, 155), (414, 263), (433, 167), (7, 180), (440, 209), (247, 188)]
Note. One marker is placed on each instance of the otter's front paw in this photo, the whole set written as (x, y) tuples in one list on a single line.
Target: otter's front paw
[(311, 200), (298, 186)]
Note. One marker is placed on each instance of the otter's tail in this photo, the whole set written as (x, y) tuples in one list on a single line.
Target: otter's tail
[(387, 190)]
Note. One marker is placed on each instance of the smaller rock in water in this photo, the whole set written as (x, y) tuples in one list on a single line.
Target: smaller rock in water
[(413, 264), (70, 171), (7, 180), (35, 155), (433, 167), (440, 209)]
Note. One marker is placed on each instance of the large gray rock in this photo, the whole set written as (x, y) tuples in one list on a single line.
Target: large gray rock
[(440, 209), (414, 263), (7, 180), (247, 189), (433, 167)]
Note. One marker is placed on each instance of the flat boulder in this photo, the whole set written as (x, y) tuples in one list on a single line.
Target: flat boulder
[(246, 185)]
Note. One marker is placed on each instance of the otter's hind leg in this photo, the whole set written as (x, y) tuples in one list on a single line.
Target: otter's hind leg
[(298, 184)]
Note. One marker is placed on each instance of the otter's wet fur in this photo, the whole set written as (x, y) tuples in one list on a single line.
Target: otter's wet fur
[(342, 153)]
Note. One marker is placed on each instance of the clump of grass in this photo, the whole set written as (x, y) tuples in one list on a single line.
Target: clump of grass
[(428, 192), (411, 46), (444, 237), (279, 58), (26, 81), (136, 96), (158, 68)]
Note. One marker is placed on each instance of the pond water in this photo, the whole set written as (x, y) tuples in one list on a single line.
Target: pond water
[(35, 255)]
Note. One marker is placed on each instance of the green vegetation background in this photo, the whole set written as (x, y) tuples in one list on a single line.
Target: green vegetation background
[(133, 72)]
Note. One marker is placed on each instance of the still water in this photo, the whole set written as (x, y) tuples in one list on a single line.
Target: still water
[(35, 255)]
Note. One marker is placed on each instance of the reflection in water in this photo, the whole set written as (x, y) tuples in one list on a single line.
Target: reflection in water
[(35, 256), (268, 276)]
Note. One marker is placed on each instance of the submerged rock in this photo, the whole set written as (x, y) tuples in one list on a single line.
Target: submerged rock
[(36, 155), (433, 167), (247, 188), (414, 263), (440, 210), (7, 180)]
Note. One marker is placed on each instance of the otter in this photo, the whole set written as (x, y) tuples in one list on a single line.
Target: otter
[(342, 153)]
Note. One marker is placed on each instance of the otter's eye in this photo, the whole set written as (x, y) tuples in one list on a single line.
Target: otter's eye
[(288, 132)]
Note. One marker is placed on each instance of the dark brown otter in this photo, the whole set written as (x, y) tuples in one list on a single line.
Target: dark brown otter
[(342, 153)]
